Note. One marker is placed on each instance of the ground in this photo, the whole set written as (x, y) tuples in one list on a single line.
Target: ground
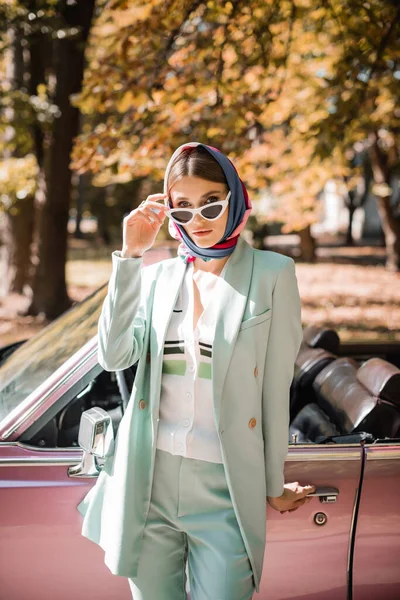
[(347, 288)]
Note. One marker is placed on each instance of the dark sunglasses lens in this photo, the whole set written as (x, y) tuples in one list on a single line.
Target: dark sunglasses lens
[(181, 216), (211, 212)]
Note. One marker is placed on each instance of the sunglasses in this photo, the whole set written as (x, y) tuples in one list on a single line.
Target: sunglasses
[(210, 212)]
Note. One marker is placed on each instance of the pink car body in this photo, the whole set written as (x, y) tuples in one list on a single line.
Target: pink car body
[(335, 548)]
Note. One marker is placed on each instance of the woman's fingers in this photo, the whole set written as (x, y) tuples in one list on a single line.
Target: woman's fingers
[(148, 218), (294, 496), (154, 204), (148, 210), (296, 503), (302, 491), (149, 215), (152, 216), (152, 219)]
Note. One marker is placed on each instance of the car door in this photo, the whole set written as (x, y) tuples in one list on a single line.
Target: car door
[(43, 554), (307, 551), (376, 571)]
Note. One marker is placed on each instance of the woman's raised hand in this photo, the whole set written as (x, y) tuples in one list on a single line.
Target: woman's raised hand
[(141, 226)]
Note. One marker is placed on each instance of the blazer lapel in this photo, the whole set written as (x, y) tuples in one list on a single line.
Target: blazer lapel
[(230, 306), (228, 311)]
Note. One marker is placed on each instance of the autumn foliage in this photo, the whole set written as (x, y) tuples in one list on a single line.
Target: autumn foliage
[(290, 90)]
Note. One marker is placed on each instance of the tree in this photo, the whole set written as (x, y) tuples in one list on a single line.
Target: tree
[(287, 89), (54, 34)]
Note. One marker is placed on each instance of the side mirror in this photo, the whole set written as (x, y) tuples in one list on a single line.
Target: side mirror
[(96, 434), (96, 438)]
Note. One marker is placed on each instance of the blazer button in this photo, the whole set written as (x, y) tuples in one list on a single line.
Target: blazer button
[(142, 404), (252, 423), (255, 372)]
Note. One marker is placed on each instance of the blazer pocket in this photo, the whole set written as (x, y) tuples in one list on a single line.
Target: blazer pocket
[(256, 319)]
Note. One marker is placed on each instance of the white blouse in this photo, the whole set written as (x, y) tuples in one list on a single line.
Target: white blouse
[(187, 426)]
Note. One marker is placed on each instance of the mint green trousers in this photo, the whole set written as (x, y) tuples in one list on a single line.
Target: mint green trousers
[(191, 518)]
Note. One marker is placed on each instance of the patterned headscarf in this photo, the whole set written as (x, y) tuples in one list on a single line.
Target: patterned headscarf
[(239, 208)]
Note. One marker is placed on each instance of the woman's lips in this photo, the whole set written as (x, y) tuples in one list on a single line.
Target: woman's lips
[(201, 233)]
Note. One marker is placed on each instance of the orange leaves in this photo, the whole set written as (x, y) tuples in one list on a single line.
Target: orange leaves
[(18, 179), (214, 132), (229, 56), (125, 102), (132, 15), (268, 85)]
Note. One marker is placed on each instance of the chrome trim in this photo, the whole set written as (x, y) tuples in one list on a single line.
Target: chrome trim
[(392, 454), (87, 468), (26, 446), (309, 456), (25, 415), (39, 462), (318, 453)]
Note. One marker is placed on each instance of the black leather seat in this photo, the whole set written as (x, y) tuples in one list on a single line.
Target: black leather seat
[(309, 424), (318, 348), (382, 379), (317, 337), (353, 399)]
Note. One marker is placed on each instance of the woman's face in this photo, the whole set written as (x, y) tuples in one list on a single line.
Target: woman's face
[(193, 192)]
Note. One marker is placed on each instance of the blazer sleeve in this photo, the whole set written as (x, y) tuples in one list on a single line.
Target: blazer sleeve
[(284, 341), (122, 321)]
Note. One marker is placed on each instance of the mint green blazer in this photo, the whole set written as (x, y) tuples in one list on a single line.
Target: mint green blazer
[(257, 338)]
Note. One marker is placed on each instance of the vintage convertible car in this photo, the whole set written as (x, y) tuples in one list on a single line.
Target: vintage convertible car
[(59, 411)]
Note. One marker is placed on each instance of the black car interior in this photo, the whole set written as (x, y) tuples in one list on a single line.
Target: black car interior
[(334, 398), (339, 395)]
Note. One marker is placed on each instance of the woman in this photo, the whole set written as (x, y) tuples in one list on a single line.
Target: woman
[(202, 445)]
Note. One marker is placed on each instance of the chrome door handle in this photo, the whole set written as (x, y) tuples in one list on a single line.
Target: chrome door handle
[(326, 494)]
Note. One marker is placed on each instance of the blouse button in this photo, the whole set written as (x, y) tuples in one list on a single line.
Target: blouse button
[(188, 396), (142, 404), (191, 368), (252, 423), (186, 422)]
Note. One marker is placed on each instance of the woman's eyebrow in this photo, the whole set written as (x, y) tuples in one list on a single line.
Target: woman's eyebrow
[(203, 196)]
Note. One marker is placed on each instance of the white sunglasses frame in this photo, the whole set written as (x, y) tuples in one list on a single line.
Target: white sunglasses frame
[(195, 211)]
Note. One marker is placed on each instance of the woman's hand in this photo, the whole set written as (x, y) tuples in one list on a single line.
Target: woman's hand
[(141, 226), (294, 496)]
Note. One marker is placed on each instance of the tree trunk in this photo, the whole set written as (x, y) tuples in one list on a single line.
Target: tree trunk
[(382, 190), (16, 232), (78, 195), (16, 229), (307, 245), (103, 229), (49, 285), (352, 207), (391, 229)]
